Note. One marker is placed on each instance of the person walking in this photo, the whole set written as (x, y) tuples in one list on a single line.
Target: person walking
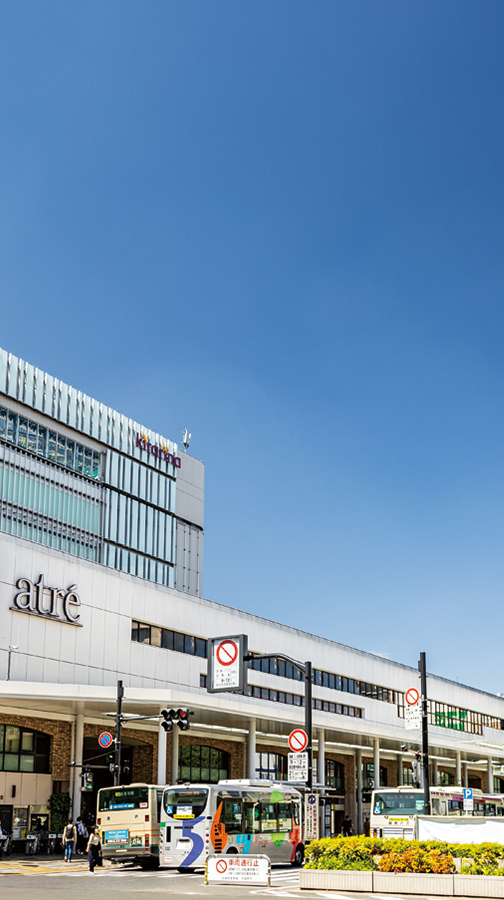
[(82, 834), (69, 840), (347, 827), (94, 848)]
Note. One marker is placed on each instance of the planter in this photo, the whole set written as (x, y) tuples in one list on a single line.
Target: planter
[(410, 883), (336, 880), (478, 886)]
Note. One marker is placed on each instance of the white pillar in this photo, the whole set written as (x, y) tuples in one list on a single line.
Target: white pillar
[(79, 744), (358, 764), (434, 773), (174, 754), (490, 776), (251, 749), (161, 755), (465, 767), (458, 769), (399, 770), (376, 761), (321, 757)]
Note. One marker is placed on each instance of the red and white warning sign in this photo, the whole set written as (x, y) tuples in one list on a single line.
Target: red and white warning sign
[(298, 740), (221, 866), (412, 696), (226, 663)]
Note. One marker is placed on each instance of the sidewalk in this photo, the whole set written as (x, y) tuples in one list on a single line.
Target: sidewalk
[(21, 864)]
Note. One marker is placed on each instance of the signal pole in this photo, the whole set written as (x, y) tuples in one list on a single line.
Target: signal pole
[(425, 733), (117, 749)]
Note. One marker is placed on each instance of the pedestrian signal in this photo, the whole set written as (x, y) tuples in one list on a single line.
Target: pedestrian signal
[(87, 781)]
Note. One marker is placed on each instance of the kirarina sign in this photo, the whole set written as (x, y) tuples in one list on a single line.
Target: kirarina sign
[(158, 452)]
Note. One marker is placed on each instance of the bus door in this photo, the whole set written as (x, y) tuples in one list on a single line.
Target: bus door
[(252, 827), (269, 839)]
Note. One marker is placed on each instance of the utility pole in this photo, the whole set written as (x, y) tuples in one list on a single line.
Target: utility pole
[(425, 733), (117, 749), (308, 721)]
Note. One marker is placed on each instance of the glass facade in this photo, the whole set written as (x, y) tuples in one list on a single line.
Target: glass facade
[(202, 765), (109, 496), (23, 750)]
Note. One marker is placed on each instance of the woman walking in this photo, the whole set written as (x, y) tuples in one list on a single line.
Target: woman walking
[(94, 848)]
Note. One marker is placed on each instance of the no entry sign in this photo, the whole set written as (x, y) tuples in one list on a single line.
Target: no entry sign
[(221, 866), (105, 740), (226, 664), (298, 740), (412, 696)]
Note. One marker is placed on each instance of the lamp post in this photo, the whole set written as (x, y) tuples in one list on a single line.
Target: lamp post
[(9, 654)]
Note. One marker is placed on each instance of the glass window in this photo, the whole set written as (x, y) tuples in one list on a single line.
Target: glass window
[(189, 644), (51, 449), (3, 421), (2, 735), (178, 642), (285, 817), (18, 744), (143, 633), (203, 764), (27, 741), (268, 817), (134, 631), (32, 437), (12, 737), (281, 668), (201, 648), (42, 441), (167, 639), (155, 636), (251, 817), (11, 427), (231, 816)]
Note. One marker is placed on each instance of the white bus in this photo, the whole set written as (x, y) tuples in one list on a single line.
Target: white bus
[(235, 817), (128, 818), (393, 810)]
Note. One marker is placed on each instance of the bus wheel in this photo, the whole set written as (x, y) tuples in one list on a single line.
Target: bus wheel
[(149, 863), (298, 856)]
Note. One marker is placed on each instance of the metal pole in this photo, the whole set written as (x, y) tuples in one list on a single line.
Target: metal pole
[(117, 752), (308, 722), (425, 734)]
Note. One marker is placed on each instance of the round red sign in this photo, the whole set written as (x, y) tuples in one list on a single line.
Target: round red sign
[(412, 696), (227, 653), (298, 740), (221, 866)]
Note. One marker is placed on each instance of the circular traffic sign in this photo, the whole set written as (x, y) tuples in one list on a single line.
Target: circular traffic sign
[(412, 696), (311, 799), (298, 740), (227, 653), (221, 866), (105, 739)]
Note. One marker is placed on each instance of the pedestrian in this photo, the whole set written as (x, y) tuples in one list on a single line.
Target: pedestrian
[(69, 839), (94, 848), (82, 834), (366, 826), (347, 827)]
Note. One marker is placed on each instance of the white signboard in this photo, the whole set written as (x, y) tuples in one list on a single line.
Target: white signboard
[(297, 767), (311, 817), (238, 870), (226, 665), (468, 800), (412, 717)]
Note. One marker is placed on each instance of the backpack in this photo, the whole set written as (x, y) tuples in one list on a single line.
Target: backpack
[(69, 832)]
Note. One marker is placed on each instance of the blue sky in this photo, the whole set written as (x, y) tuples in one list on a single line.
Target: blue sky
[(280, 224)]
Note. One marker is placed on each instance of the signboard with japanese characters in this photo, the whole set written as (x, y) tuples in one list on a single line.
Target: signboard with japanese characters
[(227, 667), (238, 870), (311, 817), (297, 765)]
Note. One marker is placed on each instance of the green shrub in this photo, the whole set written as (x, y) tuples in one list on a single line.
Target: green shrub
[(357, 852), (340, 853), (59, 804)]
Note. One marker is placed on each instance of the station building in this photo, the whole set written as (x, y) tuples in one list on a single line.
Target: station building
[(101, 537)]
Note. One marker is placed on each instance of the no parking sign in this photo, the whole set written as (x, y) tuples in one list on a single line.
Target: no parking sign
[(227, 668)]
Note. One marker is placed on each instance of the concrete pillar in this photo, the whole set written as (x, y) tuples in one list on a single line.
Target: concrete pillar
[(358, 764), (174, 754), (161, 758), (77, 772), (465, 767), (251, 749), (434, 776), (490, 776), (321, 757), (376, 761), (399, 770), (458, 769)]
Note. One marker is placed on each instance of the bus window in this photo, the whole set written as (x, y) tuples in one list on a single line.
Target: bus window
[(124, 798), (185, 804), (268, 817), (296, 812), (285, 817), (159, 800), (436, 807), (231, 816), (251, 817)]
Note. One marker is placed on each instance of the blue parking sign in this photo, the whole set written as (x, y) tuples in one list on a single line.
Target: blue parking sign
[(468, 793)]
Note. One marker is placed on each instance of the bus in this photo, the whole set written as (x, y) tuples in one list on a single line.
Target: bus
[(128, 819), (232, 817), (393, 810)]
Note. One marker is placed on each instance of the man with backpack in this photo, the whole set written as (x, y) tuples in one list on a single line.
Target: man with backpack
[(69, 840)]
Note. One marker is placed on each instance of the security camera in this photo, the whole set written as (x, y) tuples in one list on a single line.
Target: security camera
[(404, 747)]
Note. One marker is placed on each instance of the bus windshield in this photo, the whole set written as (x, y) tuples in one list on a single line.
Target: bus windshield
[(185, 804), (408, 804), (124, 798)]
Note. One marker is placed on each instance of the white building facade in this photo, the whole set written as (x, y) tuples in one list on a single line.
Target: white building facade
[(101, 531)]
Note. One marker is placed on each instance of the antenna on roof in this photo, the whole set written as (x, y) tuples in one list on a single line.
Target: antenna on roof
[(186, 439)]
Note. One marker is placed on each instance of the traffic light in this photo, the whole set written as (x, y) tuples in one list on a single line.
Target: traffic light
[(180, 716), (167, 722), (183, 719), (86, 781)]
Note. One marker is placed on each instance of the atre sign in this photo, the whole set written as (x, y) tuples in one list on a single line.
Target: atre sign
[(38, 599)]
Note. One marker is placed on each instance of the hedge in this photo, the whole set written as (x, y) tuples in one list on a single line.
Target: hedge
[(399, 855)]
